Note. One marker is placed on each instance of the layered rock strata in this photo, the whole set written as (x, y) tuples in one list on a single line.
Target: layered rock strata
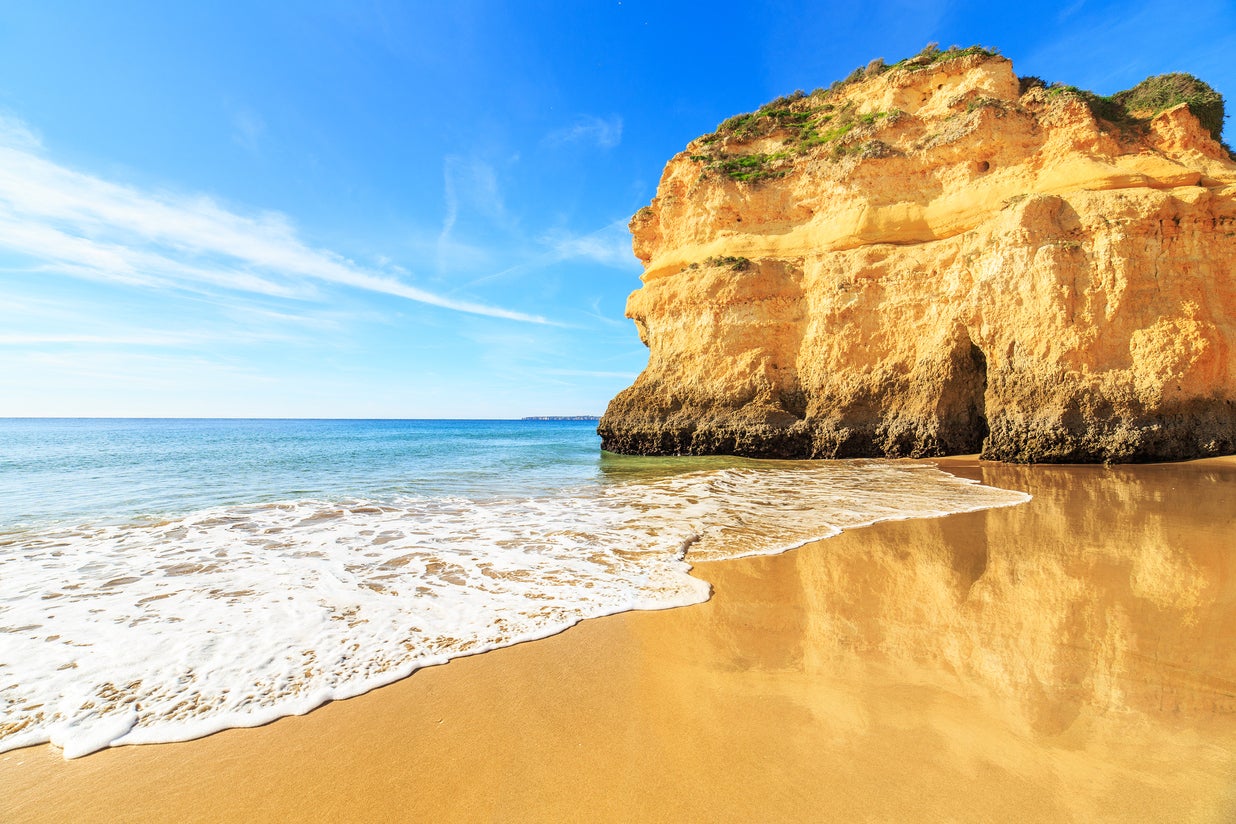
[(938, 259)]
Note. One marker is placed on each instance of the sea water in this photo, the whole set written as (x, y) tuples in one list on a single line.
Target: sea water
[(164, 579)]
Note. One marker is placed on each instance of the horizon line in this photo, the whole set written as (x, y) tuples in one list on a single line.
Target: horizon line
[(272, 418)]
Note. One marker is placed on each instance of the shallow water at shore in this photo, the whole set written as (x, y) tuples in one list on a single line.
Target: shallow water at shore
[(1067, 660)]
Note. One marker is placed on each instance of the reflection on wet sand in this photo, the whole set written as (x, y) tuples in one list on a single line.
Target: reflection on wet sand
[(1080, 644)]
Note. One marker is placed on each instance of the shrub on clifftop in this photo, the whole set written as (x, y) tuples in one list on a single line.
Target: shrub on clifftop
[(1162, 92), (1132, 108)]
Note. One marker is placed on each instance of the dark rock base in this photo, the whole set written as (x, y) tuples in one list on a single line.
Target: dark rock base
[(1199, 429)]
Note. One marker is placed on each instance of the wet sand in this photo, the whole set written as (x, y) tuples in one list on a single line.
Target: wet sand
[(1071, 659)]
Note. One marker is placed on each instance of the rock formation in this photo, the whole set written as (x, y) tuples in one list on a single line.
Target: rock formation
[(937, 257)]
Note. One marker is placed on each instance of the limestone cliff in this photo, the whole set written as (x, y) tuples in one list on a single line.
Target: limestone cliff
[(939, 258)]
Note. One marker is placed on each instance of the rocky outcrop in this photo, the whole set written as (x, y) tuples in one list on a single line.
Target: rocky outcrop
[(939, 258)]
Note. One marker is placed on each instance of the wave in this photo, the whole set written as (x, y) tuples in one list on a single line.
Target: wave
[(158, 631)]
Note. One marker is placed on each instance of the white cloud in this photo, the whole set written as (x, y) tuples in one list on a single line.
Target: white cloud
[(604, 132), (81, 225), (610, 245), (14, 132)]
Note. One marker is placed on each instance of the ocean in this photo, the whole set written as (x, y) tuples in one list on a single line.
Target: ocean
[(161, 580)]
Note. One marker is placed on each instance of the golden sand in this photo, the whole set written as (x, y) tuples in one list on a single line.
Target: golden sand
[(1072, 659)]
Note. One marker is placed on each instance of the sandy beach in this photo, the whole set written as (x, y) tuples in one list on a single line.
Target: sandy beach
[(1070, 659)]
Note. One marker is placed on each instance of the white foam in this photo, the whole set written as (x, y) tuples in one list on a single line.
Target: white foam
[(236, 616)]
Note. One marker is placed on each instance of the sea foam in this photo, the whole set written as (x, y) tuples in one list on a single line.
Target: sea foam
[(235, 616)]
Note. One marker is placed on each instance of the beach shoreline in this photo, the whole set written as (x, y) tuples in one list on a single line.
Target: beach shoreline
[(1065, 659)]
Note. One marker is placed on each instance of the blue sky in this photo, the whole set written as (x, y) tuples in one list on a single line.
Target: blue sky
[(381, 209)]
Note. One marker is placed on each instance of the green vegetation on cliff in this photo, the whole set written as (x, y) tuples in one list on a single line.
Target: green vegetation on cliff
[(803, 127), (931, 55), (747, 168), (1131, 109), (806, 122), (1165, 91)]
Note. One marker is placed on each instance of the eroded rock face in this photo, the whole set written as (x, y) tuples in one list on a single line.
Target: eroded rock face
[(966, 268)]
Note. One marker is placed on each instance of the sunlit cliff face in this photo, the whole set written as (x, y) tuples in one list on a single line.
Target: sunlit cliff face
[(968, 268)]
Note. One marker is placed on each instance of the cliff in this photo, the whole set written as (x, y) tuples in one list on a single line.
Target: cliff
[(938, 257)]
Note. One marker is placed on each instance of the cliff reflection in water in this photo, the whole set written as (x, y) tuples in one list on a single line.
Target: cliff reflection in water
[(1113, 591)]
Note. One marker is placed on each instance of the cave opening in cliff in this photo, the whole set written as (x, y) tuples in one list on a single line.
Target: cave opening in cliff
[(979, 413)]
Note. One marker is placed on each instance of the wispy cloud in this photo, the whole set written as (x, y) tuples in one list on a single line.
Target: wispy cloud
[(617, 320), (14, 132), (115, 368), (1069, 10), (322, 321), (604, 132), (451, 213), (591, 373), (610, 245), (106, 340), (158, 339), (248, 129), (470, 183), (82, 225)]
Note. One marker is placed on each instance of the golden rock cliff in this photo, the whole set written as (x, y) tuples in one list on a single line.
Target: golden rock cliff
[(939, 258)]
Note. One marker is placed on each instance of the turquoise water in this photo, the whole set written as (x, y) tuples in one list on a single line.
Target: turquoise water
[(161, 580), (105, 469)]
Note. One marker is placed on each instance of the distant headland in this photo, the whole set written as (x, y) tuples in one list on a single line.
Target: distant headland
[(562, 418)]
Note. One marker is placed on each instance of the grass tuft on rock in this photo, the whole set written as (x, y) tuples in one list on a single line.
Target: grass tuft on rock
[(736, 264)]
